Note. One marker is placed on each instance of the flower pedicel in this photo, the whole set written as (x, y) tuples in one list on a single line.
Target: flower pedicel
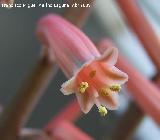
[(93, 77)]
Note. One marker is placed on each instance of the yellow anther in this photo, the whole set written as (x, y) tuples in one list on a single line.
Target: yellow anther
[(104, 91), (103, 111), (83, 86), (115, 88), (92, 73)]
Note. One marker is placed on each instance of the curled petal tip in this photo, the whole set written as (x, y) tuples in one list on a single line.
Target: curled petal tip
[(110, 56), (68, 87)]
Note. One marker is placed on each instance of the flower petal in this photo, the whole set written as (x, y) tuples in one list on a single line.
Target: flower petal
[(110, 56), (117, 75), (68, 87), (111, 102), (85, 101)]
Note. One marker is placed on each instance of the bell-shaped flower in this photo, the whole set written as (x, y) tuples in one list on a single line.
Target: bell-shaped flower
[(93, 77)]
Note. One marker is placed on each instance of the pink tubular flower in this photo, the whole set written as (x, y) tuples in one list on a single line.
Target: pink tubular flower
[(93, 77)]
